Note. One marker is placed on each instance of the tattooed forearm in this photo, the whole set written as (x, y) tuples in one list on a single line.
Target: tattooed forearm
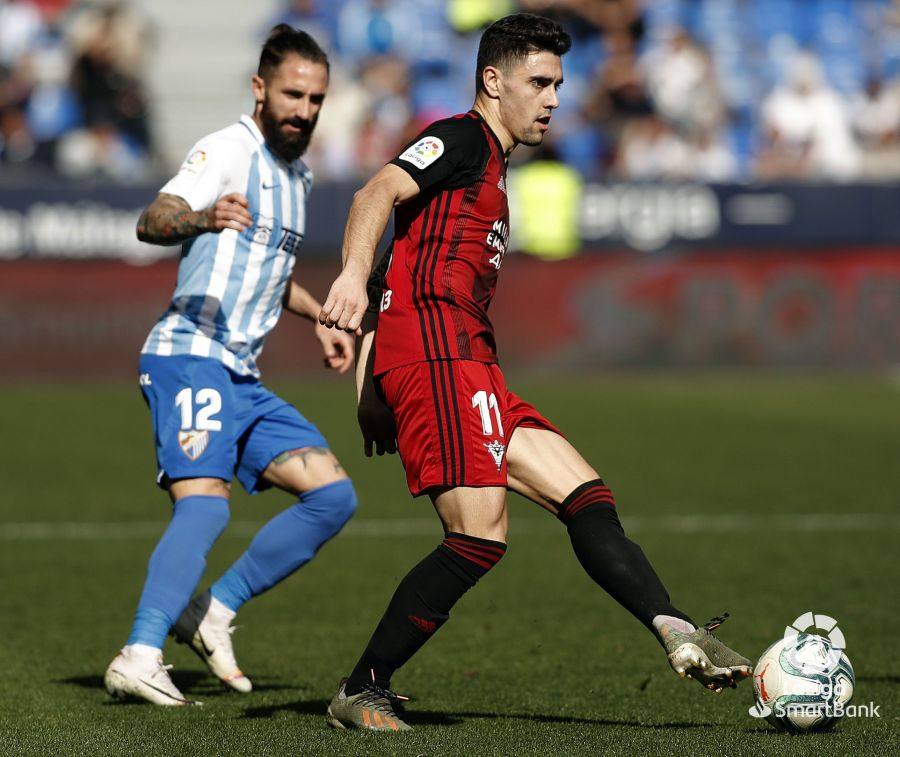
[(305, 454), (169, 220)]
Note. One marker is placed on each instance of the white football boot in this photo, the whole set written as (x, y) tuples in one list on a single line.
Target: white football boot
[(137, 672), (206, 627)]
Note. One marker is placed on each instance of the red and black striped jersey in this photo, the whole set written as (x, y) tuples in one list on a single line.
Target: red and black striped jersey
[(434, 286)]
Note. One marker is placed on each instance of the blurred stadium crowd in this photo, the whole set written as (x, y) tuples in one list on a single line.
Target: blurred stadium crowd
[(706, 90)]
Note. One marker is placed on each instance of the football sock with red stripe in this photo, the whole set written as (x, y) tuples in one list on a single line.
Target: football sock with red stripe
[(421, 604), (610, 558)]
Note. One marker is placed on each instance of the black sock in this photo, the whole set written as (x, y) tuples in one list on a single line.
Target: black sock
[(609, 557), (421, 604)]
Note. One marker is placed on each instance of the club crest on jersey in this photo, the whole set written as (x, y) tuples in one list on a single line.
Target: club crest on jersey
[(262, 229), (497, 450), (424, 152), (193, 443)]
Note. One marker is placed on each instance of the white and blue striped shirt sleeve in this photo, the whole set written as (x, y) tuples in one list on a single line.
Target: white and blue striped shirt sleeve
[(202, 175)]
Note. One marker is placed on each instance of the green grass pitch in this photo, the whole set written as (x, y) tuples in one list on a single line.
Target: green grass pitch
[(766, 497)]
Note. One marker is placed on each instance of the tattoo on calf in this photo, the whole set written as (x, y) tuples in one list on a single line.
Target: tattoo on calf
[(304, 454)]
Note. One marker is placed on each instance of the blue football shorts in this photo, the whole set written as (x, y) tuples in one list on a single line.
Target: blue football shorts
[(211, 423)]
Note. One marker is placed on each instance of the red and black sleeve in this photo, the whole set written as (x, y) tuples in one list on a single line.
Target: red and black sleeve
[(376, 283), (449, 154)]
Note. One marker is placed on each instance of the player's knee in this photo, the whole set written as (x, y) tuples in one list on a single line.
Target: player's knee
[(590, 496), (347, 503), (203, 487), (475, 556), (492, 532), (304, 470), (334, 503), (482, 527), (203, 514)]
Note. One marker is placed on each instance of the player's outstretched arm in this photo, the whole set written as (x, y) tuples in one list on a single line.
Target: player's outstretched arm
[(170, 220), (369, 215), (376, 421), (337, 345)]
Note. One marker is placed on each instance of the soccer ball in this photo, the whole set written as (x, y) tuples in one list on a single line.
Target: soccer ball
[(802, 683)]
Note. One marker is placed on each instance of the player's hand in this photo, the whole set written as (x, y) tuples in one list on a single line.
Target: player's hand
[(379, 431), (338, 347), (346, 303), (231, 211)]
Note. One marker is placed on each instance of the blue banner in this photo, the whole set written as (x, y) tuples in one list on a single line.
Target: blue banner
[(60, 221)]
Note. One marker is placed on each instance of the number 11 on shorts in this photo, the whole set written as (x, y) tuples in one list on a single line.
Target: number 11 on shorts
[(485, 403)]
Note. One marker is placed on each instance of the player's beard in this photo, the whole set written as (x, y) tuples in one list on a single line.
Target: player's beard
[(287, 146)]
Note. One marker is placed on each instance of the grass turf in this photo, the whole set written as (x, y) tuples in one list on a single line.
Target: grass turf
[(537, 660)]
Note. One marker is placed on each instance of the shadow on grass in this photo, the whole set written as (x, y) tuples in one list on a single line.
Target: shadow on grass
[(193, 682), (317, 707)]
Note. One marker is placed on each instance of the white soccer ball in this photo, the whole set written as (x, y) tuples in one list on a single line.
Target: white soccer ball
[(802, 683)]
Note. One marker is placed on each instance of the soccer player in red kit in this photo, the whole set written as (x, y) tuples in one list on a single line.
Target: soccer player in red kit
[(431, 380)]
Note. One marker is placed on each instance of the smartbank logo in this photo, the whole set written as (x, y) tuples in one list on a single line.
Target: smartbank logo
[(837, 710)]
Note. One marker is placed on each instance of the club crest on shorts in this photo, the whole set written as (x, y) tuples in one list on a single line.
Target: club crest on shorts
[(496, 449), (193, 443)]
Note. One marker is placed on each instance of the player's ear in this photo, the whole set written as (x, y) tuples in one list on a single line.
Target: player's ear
[(490, 79), (258, 87)]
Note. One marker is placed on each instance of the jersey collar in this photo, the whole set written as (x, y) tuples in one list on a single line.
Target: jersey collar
[(253, 128), (489, 131)]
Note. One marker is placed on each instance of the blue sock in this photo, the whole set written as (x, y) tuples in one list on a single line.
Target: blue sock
[(287, 542), (176, 566)]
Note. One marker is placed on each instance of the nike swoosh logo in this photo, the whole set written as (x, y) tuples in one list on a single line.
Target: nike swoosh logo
[(206, 649), (269, 186), (163, 691)]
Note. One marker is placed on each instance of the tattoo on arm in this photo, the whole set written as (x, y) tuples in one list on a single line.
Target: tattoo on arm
[(169, 220), (305, 453)]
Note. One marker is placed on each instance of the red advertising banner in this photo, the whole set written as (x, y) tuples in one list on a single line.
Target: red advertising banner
[(83, 320), (840, 308)]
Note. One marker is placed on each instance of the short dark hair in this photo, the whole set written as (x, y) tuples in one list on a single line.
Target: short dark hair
[(513, 38), (285, 39)]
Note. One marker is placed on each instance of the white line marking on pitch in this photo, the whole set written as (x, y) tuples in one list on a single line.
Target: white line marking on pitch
[(386, 527)]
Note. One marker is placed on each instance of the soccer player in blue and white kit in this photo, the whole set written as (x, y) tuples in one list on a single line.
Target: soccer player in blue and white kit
[(237, 205)]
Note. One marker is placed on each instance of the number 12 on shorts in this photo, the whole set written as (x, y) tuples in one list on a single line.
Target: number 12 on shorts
[(211, 402), (485, 403)]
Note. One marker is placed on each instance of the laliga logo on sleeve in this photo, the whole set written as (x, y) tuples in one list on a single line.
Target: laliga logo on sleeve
[(424, 152), (195, 161)]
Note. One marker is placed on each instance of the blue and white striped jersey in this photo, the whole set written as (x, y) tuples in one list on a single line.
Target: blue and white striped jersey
[(230, 285)]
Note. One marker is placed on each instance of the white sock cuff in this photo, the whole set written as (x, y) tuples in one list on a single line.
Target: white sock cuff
[(142, 650), (220, 611)]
